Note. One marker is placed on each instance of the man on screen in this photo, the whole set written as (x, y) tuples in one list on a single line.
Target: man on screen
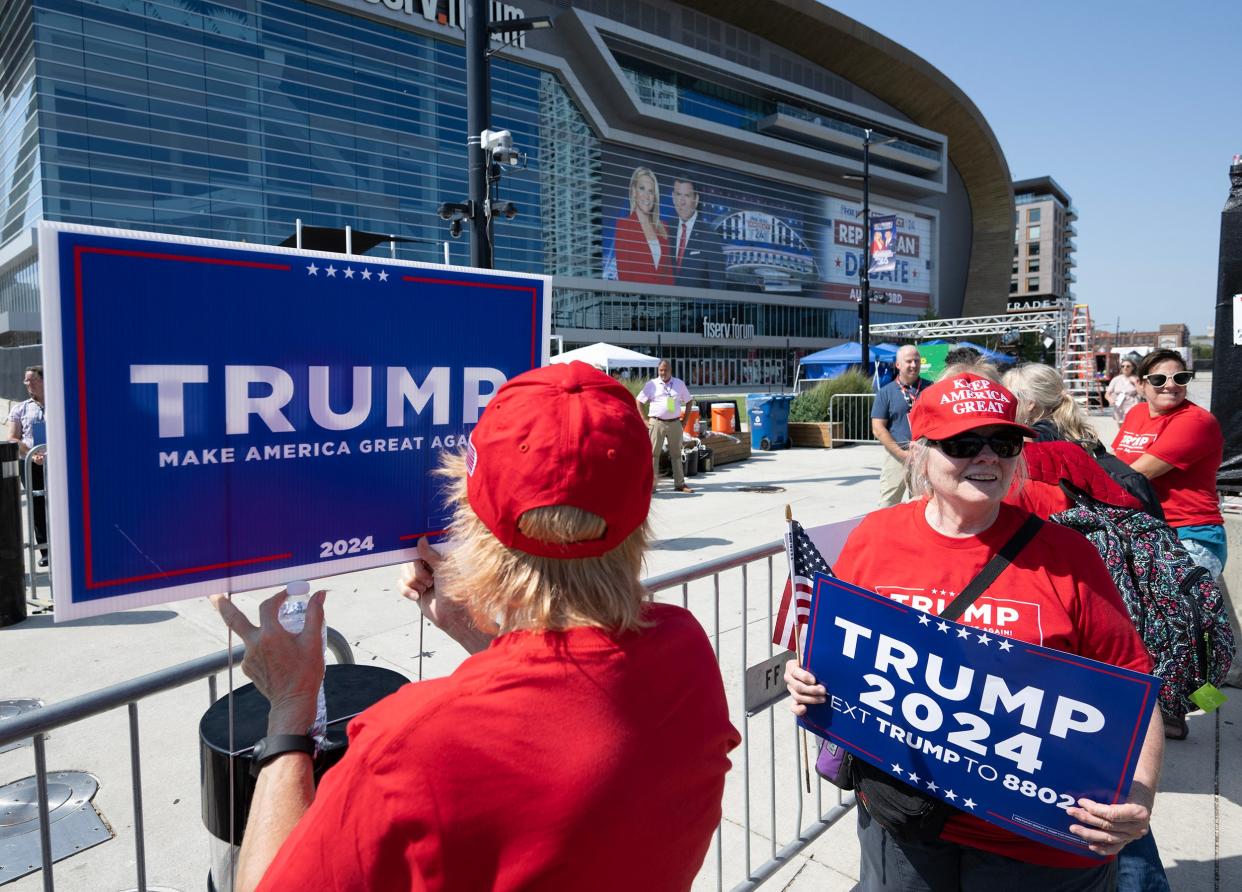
[(698, 254)]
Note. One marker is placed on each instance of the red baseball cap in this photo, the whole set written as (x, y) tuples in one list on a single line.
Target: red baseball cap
[(564, 434), (961, 403)]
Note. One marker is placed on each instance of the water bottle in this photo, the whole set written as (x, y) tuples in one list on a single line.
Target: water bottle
[(293, 617)]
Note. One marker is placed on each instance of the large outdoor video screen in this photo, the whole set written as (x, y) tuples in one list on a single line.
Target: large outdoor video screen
[(684, 223)]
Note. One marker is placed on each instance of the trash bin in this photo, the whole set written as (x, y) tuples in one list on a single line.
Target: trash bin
[(723, 415), (348, 690), (769, 421)]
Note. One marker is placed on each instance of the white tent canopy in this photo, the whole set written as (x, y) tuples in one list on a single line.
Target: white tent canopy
[(608, 357)]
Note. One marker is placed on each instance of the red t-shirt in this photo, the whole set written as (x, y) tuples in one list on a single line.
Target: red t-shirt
[(1189, 439), (1057, 593), (550, 761)]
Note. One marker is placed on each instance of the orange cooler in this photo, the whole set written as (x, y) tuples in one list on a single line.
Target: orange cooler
[(722, 419), (692, 421)]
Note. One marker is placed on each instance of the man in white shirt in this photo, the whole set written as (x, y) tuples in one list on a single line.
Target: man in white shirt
[(26, 429), (698, 253), (666, 399)]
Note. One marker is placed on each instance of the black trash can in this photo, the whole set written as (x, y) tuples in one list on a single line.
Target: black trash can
[(348, 690)]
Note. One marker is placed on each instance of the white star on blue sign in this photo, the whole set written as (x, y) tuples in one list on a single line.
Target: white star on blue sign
[(942, 626), (1005, 645), (969, 803), (963, 633), (331, 271), (931, 785), (984, 639), (913, 778), (349, 272), (383, 276), (366, 275), (923, 620), (312, 270), (897, 769), (950, 795)]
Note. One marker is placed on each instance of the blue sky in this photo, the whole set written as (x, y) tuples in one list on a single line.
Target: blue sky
[(1135, 108)]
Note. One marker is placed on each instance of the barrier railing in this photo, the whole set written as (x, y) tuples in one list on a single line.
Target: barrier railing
[(32, 546), (853, 411), (782, 772), (767, 786)]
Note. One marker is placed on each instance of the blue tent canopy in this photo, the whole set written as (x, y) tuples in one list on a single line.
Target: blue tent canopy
[(832, 362)]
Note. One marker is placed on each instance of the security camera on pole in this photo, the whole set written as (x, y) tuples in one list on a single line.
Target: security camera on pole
[(487, 150)]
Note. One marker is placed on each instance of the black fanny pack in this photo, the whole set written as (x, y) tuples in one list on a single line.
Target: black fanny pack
[(899, 808)]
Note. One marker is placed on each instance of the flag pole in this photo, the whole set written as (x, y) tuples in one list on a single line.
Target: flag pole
[(805, 747)]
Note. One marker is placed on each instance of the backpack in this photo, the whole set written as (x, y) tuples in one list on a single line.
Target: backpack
[(1131, 481), (1174, 603)]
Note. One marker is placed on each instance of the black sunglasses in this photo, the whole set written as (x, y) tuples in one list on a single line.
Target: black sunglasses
[(1005, 445), (1181, 379)]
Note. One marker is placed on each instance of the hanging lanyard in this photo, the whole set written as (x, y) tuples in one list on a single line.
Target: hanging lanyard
[(911, 392)]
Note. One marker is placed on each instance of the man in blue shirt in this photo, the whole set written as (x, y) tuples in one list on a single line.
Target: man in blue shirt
[(890, 425)]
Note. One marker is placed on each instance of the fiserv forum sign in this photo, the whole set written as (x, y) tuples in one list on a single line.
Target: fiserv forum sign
[(225, 417)]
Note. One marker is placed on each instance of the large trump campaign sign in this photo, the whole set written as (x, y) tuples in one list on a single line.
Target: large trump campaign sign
[(1007, 731), (225, 417)]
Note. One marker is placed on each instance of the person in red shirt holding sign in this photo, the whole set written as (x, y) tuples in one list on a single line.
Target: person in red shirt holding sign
[(1178, 446), (965, 453), (558, 756)]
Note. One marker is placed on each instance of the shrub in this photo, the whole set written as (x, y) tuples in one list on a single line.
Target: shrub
[(816, 403)]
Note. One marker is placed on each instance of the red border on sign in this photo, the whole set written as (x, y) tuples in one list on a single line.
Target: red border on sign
[(78, 251)]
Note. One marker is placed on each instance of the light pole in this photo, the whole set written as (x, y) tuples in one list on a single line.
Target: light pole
[(478, 117), (864, 277)]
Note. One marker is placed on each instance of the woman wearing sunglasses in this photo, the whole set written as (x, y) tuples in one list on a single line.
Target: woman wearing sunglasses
[(966, 452), (1177, 445)]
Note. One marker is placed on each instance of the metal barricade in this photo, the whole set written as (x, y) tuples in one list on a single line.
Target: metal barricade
[(853, 412), (32, 546), (721, 593), (35, 726)]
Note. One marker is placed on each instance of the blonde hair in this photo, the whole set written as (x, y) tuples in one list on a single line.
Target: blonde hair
[(984, 368), (1041, 395), (505, 589), (918, 482), (654, 217)]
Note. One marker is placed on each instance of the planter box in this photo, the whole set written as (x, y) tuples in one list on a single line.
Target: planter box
[(815, 433), (725, 450)]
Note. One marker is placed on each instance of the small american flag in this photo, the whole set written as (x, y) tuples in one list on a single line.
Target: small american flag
[(472, 457), (804, 561)]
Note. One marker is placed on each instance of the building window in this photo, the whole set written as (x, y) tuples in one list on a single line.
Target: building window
[(1032, 283), (1032, 233), (1032, 216), (1032, 266), (1032, 250), (1013, 288), (1015, 267)]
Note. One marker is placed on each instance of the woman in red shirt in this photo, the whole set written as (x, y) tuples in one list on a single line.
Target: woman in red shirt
[(1178, 446), (642, 239), (964, 457)]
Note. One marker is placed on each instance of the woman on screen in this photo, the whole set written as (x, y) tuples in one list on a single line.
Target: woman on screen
[(642, 240)]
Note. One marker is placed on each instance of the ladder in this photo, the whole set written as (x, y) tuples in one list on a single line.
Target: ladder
[(1078, 360)]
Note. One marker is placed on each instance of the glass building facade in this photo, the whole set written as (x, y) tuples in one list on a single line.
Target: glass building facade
[(233, 119)]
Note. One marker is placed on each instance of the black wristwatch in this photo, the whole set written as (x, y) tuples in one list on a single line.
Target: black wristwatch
[(275, 745)]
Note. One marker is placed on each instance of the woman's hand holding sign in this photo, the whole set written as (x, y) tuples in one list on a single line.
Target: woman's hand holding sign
[(803, 688), (418, 583)]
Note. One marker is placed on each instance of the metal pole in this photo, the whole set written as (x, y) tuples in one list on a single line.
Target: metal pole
[(45, 822), (135, 765), (298, 229), (864, 305), (478, 117)]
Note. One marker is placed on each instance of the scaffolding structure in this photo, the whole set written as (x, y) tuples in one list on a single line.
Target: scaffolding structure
[(1052, 323)]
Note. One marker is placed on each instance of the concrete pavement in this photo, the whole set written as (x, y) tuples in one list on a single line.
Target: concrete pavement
[(1198, 819)]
